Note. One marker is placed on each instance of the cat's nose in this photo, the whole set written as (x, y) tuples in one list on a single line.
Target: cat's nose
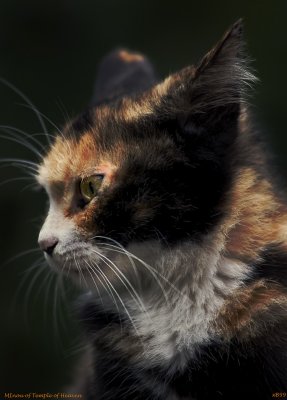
[(47, 245)]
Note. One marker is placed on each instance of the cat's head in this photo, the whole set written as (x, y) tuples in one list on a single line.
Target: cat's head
[(147, 166)]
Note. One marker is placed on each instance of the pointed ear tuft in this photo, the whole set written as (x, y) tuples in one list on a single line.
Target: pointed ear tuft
[(218, 83), (229, 48), (223, 72)]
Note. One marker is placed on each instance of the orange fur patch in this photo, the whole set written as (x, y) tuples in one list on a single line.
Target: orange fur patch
[(70, 160), (255, 216), (243, 313), (130, 57)]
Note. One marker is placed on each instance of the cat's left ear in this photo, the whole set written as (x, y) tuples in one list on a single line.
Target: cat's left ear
[(209, 94)]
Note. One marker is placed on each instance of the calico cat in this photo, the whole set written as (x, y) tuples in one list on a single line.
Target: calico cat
[(163, 207)]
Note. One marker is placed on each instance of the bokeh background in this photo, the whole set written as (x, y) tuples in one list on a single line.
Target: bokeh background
[(50, 50)]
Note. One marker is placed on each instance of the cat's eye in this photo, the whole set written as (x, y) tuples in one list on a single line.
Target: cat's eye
[(90, 186)]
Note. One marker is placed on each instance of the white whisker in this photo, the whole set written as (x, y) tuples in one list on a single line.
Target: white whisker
[(106, 280), (29, 291), (21, 178), (80, 272), (122, 303), (45, 117), (56, 330), (95, 283), (19, 133), (48, 286), (128, 255), (152, 270), (17, 139), (28, 101), (23, 253), (34, 185), (120, 275), (26, 274)]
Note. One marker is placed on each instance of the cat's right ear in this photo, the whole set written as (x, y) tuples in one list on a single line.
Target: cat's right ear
[(208, 96)]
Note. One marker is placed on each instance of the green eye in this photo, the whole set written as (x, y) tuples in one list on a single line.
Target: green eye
[(90, 186)]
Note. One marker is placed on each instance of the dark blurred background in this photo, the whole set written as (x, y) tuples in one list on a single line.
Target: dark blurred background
[(50, 50)]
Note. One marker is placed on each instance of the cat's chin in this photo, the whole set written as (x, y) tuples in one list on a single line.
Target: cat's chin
[(91, 269), (106, 270)]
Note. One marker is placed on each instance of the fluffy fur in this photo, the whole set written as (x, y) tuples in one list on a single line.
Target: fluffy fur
[(183, 251)]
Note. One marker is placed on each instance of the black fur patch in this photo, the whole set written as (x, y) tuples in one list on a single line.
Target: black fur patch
[(236, 370), (273, 265), (83, 123), (95, 318)]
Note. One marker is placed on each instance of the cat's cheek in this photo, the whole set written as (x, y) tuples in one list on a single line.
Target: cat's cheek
[(84, 222), (60, 228), (63, 231)]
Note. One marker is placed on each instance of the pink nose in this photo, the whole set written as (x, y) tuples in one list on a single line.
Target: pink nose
[(48, 245)]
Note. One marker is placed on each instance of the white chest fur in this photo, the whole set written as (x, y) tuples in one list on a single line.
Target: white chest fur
[(175, 325)]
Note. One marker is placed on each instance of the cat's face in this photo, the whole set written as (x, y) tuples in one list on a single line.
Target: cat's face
[(145, 172), (119, 182)]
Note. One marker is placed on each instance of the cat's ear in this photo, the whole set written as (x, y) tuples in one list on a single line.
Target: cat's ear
[(122, 73), (209, 94)]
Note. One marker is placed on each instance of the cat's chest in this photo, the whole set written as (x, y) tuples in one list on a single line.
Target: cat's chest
[(171, 334), (174, 329), (170, 331)]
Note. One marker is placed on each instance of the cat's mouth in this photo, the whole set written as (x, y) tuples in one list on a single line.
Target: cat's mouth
[(90, 266), (103, 264), (73, 256)]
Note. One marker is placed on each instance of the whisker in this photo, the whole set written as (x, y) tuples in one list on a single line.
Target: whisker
[(35, 265), (122, 303), (26, 274), (129, 257), (63, 289), (28, 170), (31, 166), (120, 275), (74, 349), (34, 185), (22, 143), (29, 291), (56, 330), (153, 271), (80, 272), (45, 285), (19, 133), (48, 287), (53, 137), (58, 312), (28, 101), (17, 139), (45, 117), (106, 280), (96, 286), (21, 178), (23, 253), (99, 293)]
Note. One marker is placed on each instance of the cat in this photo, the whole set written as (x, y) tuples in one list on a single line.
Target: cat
[(163, 208)]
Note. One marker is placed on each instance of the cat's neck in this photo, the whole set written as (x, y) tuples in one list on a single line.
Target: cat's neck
[(187, 286)]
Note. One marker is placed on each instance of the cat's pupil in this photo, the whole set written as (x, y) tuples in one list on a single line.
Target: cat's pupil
[(91, 187)]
